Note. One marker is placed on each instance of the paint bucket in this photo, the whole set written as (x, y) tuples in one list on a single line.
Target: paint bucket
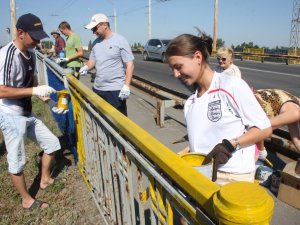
[(263, 175), (62, 99), (195, 160)]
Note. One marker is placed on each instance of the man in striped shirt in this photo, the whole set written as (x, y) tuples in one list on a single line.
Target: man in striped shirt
[(18, 82)]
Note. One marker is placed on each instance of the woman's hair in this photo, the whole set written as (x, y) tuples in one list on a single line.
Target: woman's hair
[(187, 45), (225, 51)]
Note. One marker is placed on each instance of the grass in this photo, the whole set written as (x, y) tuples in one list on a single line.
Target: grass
[(70, 202)]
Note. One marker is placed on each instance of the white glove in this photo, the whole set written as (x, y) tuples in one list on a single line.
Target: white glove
[(59, 110), (125, 92), (43, 91), (262, 154), (83, 70), (60, 60)]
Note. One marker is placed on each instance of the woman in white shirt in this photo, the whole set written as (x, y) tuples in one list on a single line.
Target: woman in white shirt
[(225, 59), (224, 120)]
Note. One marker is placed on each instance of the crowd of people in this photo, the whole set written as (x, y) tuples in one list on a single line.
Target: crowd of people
[(218, 110)]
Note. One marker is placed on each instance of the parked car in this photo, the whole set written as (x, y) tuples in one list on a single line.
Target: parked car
[(155, 49)]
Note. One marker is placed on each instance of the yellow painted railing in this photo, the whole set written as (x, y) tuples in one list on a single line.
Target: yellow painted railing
[(134, 178)]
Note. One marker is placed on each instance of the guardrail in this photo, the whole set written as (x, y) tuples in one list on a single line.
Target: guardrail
[(262, 56), (135, 179)]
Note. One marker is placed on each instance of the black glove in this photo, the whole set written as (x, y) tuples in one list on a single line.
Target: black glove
[(221, 153)]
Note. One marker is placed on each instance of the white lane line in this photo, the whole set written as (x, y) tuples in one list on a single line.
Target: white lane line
[(266, 71)]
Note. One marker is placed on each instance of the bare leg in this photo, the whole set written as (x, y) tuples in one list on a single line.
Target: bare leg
[(290, 116), (18, 181), (294, 130), (46, 179), (289, 113)]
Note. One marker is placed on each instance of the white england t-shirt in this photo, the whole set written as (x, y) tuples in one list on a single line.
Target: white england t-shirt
[(225, 111)]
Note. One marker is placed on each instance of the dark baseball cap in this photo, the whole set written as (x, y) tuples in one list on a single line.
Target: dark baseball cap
[(32, 25)]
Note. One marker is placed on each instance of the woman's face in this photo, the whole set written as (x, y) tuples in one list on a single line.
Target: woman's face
[(224, 61), (186, 68)]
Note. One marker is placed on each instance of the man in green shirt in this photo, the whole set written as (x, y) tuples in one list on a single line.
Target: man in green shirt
[(73, 48)]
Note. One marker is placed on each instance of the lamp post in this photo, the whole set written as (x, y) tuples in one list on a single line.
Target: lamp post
[(215, 26), (13, 29), (149, 20), (114, 15)]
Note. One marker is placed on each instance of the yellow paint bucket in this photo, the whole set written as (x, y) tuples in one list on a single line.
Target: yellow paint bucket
[(62, 99), (195, 160)]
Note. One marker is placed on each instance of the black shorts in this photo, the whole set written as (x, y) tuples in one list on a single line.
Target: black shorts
[(112, 97)]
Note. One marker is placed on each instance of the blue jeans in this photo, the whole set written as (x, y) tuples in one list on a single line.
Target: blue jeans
[(112, 97)]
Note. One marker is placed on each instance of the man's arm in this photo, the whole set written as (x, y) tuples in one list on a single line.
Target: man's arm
[(79, 53), (12, 92), (129, 72)]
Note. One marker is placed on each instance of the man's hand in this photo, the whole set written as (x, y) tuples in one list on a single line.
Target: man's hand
[(83, 70), (43, 91), (60, 60), (59, 110), (53, 106), (221, 153), (125, 92)]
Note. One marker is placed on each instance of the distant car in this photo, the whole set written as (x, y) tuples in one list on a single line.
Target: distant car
[(155, 49)]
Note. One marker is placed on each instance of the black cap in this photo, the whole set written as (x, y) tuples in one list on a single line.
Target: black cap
[(32, 25)]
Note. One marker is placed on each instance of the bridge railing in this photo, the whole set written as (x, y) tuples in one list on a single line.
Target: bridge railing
[(135, 179)]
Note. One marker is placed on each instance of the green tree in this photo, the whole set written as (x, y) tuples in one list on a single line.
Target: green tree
[(220, 43)]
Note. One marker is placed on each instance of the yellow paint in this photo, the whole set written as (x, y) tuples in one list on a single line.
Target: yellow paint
[(62, 97), (193, 159), (243, 203)]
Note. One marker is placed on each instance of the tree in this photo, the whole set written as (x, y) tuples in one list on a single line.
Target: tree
[(220, 43)]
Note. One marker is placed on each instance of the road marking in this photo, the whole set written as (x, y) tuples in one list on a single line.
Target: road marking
[(266, 71), (273, 72)]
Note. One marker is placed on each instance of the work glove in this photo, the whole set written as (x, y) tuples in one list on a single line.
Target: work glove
[(83, 70), (43, 91), (59, 110), (220, 154), (125, 92), (52, 104), (262, 154), (60, 60)]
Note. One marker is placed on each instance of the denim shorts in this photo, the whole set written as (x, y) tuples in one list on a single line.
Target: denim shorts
[(15, 130)]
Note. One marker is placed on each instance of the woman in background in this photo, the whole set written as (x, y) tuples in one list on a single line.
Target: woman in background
[(225, 58)]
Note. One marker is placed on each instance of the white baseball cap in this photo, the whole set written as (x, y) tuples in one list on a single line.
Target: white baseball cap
[(96, 19)]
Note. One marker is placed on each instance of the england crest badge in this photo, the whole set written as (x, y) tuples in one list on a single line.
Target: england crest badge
[(214, 112)]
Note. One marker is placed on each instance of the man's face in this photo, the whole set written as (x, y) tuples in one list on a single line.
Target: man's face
[(63, 31), (27, 40), (100, 29)]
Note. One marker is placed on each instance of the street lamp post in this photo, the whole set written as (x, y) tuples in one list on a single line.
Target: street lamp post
[(13, 29), (115, 19), (215, 26), (149, 20)]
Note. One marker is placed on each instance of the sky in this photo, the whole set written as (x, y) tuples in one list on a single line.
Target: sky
[(265, 23)]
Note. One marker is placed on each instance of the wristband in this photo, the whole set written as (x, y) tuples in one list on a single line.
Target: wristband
[(228, 145)]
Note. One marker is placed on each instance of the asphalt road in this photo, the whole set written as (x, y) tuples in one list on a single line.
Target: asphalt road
[(256, 74)]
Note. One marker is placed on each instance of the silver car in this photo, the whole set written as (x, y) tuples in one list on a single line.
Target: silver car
[(155, 49)]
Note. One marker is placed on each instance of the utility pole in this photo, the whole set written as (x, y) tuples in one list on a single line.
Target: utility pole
[(115, 19), (215, 26), (149, 20), (295, 32), (13, 29)]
